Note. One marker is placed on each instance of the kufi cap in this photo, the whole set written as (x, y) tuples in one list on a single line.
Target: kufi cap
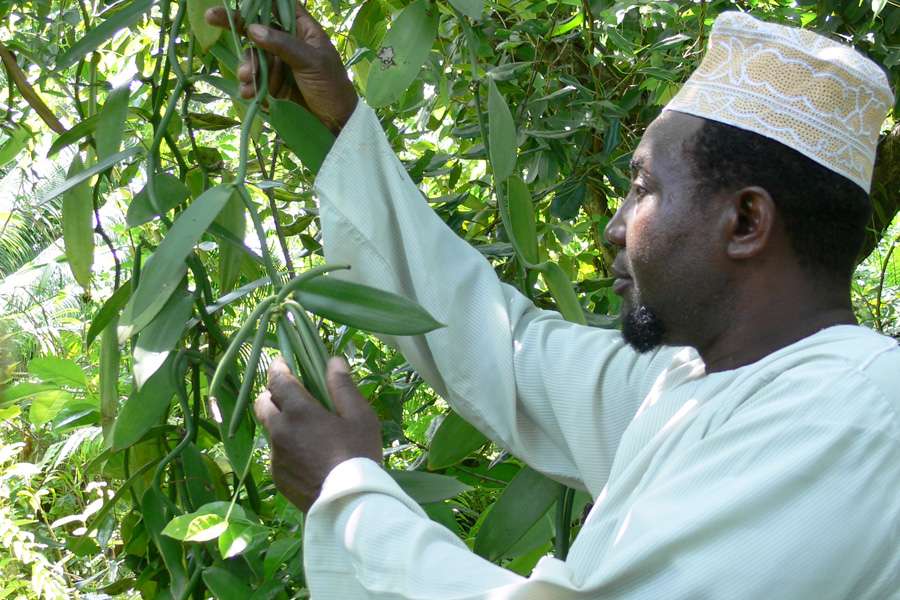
[(819, 97)]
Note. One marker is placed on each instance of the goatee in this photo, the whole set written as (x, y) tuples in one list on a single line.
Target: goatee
[(642, 329)]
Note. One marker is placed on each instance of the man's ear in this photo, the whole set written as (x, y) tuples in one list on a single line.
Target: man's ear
[(750, 220)]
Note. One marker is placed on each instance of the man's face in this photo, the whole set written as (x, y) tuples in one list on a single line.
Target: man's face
[(670, 269)]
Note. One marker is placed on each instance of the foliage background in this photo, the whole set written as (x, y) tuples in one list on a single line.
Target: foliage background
[(582, 78)]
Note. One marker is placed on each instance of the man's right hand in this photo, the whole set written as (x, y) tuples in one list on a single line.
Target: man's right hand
[(305, 68)]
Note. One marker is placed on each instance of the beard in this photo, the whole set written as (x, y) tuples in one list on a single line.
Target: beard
[(642, 329)]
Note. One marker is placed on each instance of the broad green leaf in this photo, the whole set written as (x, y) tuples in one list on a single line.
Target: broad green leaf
[(78, 131), (144, 408), (78, 226), (12, 146), (232, 219), (82, 176), (195, 527), (197, 477), (164, 270), (108, 312), (111, 126), (153, 513), (364, 307), (303, 133), (170, 191), (206, 34), (428, 487), (454, 440), (471, 8), (46, 405), (109, 377), (225, 585), (58, 370), (561, 289), (517, 212), (569, 25), (100, 33), (501, 135), (156, 341), (403, 51), (568, 200), (23, 391), (280, 552), (370, 24), (524, 501), (238, 536)]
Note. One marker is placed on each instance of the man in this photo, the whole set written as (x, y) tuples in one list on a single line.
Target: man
[(741, 437)]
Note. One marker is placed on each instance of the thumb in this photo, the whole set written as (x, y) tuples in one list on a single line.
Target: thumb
[(348, 402), (288, 48)]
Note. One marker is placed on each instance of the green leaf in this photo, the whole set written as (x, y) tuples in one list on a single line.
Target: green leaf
[(303, 133), (12, 146), (225, 585), (232, 219), (110, 128), (23, 391), (197, 477), (78, 131), (82, 176), (195, 527), (471, 8), (238, 536), (46, 405), (108, 312), (280, 551), (370, 24), (163, 271), (561, 289), (428, 487), (364, 307), (501, 135), (158, 339), (567, 201), (144, 408), (170, 191), (517, 213), (206, 34), (100, 33), (454, 440), (524, 501), (58, 370), (567, 26), (403, 51), (78, 226), (153, 513)]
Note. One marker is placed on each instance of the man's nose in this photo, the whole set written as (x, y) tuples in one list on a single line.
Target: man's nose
[(615, 230)]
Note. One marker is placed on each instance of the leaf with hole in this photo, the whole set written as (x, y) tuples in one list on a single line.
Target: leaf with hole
[(402, 53), (163, 271)]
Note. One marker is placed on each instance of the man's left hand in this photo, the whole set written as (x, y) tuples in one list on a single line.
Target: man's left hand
[(307, 440)]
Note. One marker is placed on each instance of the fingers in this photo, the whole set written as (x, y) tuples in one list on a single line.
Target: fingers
[(307, 26), (294, 52), (348, 402), (288, 393), (265, 409), (218, 17)]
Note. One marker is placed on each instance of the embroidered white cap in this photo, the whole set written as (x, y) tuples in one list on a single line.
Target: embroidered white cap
[(817, 96)]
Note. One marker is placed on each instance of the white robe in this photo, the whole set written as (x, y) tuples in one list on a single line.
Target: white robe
[(780, 479)]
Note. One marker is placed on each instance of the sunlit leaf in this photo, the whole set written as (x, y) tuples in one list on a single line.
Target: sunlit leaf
[(454, 440), (501, 135), (206, 34), (110, 127), (303, 133), (103, 31), (58, 370)]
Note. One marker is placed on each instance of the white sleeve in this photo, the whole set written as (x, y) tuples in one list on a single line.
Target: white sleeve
[(772, 504), (557, 395)]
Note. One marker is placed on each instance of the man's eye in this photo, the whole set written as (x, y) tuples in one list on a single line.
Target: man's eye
[(638, 191)]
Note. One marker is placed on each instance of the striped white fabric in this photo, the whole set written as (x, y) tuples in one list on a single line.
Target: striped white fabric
[(780, 479)]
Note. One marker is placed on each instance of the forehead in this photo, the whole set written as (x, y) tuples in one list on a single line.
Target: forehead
[(665, 144)]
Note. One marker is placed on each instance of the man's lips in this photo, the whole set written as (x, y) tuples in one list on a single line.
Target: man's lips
[(620, 284)]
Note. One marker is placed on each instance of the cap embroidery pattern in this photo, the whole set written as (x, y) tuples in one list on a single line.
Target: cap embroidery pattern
[(819, 97)]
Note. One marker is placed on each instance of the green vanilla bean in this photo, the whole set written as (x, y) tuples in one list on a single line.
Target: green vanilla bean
[(243, 398), (238, 339)]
